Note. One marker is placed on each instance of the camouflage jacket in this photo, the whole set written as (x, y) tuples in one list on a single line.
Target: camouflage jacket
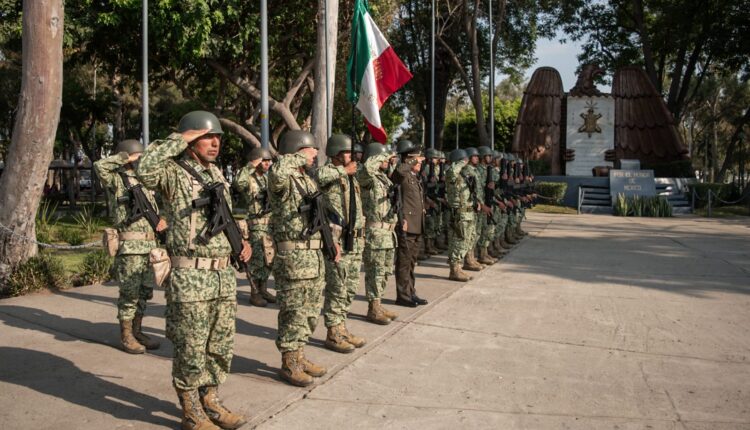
[(334, 182), (376, 205), (287, 183), (457, 190), (107, 170), (253, 188), (481, 175), (159, 171)]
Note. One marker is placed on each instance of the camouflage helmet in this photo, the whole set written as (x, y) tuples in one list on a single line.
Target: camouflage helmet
[(198, 120), (338, 143), (405, 146), (441, 155), (357, 147), (374, 149), (498, 155), (485, 150), (510, 157), (457, 155), (131, 146), (432, 153), (294, 140), (259, 153), (470, 152)]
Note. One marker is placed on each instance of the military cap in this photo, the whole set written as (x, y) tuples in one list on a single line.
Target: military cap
[(470, 152), (374, 149), (432, 153), (485, 150), (131, 146), (338, 143), (294, 140), (457, 155), (198, 120), (259, 153)]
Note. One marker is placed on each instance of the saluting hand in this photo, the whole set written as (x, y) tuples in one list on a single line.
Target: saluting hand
[(191, 135)]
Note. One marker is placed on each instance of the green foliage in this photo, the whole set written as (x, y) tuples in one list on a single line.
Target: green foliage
[(71, 235), (45, 220), (640, 206), (506, 112), (551, 190), (675, 169), (95, 268), (44, 271), (724, 192), (88, 221), (539, 167)]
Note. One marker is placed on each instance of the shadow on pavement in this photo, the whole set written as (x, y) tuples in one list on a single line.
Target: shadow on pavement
[(55, 376)]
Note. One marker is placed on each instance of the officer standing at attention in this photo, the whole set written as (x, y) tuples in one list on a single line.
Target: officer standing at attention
[(342, 195), (136, 239), (202, 289), (486, 184), (252, 183), (406, 176), (380, 228), (463, 215), (298, 268)]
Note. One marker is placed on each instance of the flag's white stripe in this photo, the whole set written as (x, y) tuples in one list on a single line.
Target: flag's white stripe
[(375, 38), (368, 96)]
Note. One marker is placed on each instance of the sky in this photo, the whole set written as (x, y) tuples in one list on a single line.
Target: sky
[(563, 57)]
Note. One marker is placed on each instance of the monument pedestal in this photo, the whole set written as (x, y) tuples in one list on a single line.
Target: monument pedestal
[(590, 131)]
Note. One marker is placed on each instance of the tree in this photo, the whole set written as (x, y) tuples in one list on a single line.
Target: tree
[(34, 131)]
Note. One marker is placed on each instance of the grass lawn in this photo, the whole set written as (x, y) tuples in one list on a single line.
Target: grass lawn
[(71, 259), (724, 211), (551, 209)]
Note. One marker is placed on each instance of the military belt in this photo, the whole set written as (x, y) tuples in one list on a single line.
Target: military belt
[(360, 232), (136, 235), (383, 225), (465, 210), (259, 221), (200, 263), (291, 245)]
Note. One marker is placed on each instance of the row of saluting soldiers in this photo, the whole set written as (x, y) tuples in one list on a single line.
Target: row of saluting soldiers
[(312, 228)]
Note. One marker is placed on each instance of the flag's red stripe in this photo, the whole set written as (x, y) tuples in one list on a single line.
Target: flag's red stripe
[(377, 133), (390, 74)]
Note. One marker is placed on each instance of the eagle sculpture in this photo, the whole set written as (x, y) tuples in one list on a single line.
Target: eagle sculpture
[(645, 130)]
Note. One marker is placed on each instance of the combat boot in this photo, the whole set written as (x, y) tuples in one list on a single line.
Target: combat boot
[(219, 415), (142, 338), (267, 295), (375, 313), (506, 246), (335, 340), (193, 415), (509, 237), (520, 231), (309, 367), (499, 245), (485, 258), (357, 341), (129, 343), (256, 299), (457, 274), (388, 314), (441, 243), (431, 250), (494, 251), (470, 263), (292, 370)]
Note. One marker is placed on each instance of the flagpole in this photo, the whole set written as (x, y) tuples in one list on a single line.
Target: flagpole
[(144, 84), (492, 81), (264, 127), (432, 79)]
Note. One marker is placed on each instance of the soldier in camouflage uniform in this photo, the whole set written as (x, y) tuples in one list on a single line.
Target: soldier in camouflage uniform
[(500, 212), (380, 243), (342, 195), (432, 200), (463, 215), (252, 183), (298, 268), (472, 171), (202, 288), (137, 239), (487, 186)]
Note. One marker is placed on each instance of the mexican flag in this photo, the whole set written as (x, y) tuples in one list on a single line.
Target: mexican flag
[(374, 72)]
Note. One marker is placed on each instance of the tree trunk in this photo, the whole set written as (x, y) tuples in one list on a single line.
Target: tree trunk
[(30, 151), (322, 108)]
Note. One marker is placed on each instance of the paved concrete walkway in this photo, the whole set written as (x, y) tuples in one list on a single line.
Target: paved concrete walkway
[(592, 322)]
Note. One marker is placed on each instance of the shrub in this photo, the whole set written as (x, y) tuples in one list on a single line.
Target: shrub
[(722, 191), (95, 268), (554, 190), (73, 236), (87, 221), (37, 273), (539, 167)]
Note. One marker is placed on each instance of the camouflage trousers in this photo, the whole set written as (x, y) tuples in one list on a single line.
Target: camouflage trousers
[(481, 222), (299, 279), (487, 232), (461, 236), (257, 264), (378, 265), (203, 337), (502, 223), (342, 281), (136, 278), (432, 224)]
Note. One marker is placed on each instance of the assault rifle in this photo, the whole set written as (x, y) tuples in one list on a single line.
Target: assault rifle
[(140, 206), (489, 194), (471, 182), (219, 219), (313, 205), (397, 208), (349, 230)]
